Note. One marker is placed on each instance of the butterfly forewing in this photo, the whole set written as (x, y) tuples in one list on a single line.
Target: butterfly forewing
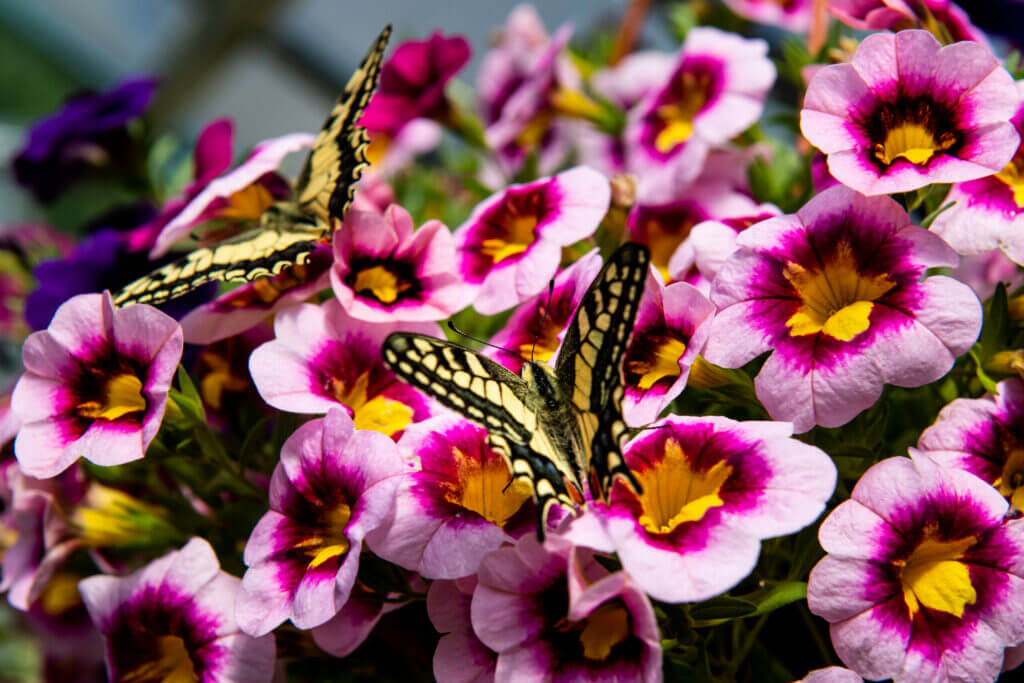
[(290, 229), (589, 366)]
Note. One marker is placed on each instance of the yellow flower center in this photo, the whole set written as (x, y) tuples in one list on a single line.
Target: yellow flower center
[(484, 488), (533, 133), (677, 118), (122, 395), (1011, 481), (173, 665), (331, 542), (837, 299), (378, 148), (218, 379), (676, 493), (60, 594), (605, 628), (913, 142), (381, 283), (107, 517), (933, 576), (381, 414), (519, 235), (248, 203), (661, 363), (1013, 177), (663, 236)]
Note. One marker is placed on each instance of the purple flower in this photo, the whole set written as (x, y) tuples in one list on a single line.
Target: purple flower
[(933, 15), (85, 133), (174, 620)]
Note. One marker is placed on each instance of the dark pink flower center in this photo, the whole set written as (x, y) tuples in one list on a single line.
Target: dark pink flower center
[(915, 129), (385, 281)]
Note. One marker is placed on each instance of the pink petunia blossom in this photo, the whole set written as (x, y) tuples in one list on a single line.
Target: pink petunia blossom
[(794, 15), (873, 15), (460, 656)]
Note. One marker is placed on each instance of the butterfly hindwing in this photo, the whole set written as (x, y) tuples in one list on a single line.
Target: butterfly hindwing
[(289, 230), (589, 366)]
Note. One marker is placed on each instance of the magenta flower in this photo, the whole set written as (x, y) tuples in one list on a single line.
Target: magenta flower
[(95, 385), (552, 613), (923, 577), (173, 620), (989, 212), (455, 504), (321, 359), (672, 326), (794, 15), (244, 193), (511, 244), (873, 15), (983, 436), (537, 326), (715, 91), (983, 272), (837, 293), (386, 271), (345, 631), (712, 242), (907, 112), (713, 489), (333, 485), (460, 656)]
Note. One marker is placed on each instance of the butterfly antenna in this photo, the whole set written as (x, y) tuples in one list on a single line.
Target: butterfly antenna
[(451, 326), (544, 320)]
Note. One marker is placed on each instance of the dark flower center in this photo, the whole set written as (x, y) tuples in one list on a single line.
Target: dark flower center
[(385, 281), (911, 128)]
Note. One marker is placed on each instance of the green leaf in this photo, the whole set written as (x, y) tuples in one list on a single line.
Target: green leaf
[(721, 608), (778, 596), (930, 218)]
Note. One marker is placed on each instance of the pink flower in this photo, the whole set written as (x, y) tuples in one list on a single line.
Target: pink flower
[(907, 112), (923, 577), (511, 244), (460, 656), (386, 271), (174, 618), (836, 292), (95, 385), (872, 15), (333, 485), (794, 15)]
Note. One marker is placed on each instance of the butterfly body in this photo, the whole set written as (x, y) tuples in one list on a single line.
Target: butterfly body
[(554, 427), (290, 229)]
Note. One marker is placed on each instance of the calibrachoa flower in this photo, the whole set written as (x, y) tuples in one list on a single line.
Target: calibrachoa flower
[(345, 631), (173, 620), (831, 674), (794, 15), (713, 241), (553, 613), (537, 326), (386, 271), (511, 245), (460, 656), (836, 293), (322, 358), (713, 488), (85, 133), (989, 212), (923, 577), (933, 15), (242, 194), (95, 385), (983, 272), (907, 112), (333, 485), (984, 436), (455, 505), (715, 91)]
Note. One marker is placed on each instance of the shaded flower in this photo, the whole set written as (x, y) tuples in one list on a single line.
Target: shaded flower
[(837, 293), (831, 674), (983, 436), (333, 485), (454, 504), (242, 194), (794, 15), (989, 212), (511, 244), (715, 91), (937, 16), (95, 385), (983, 272), (87, 132), (345, 631), (460, 655), (713, 489), (71, 645), (173, 620), (922, 580), (222, 374), (552, 613), (672, 326), (321, 358), (907, 112), (385, 270)]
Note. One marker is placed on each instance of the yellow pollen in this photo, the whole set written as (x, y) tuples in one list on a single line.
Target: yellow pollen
[(1013, 177), (384, 285), (837, 299), (664, 362), (913, 142), (1011, 481), (519, 236), (677, 118), (676, 493), (933, 576), (122, 395), (331, 542), (173, 665), (483, 488), (381, 414), (248, 203), (604, 629)]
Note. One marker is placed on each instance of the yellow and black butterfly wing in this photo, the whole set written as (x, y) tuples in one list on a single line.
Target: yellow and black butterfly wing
[(253, 254), (326, 185), (490, 395), (589, 367)]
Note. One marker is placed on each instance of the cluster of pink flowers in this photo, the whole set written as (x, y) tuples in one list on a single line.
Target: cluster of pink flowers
[(184, 502)]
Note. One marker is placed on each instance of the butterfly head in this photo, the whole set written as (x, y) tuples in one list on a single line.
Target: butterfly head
[(543, 384)]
